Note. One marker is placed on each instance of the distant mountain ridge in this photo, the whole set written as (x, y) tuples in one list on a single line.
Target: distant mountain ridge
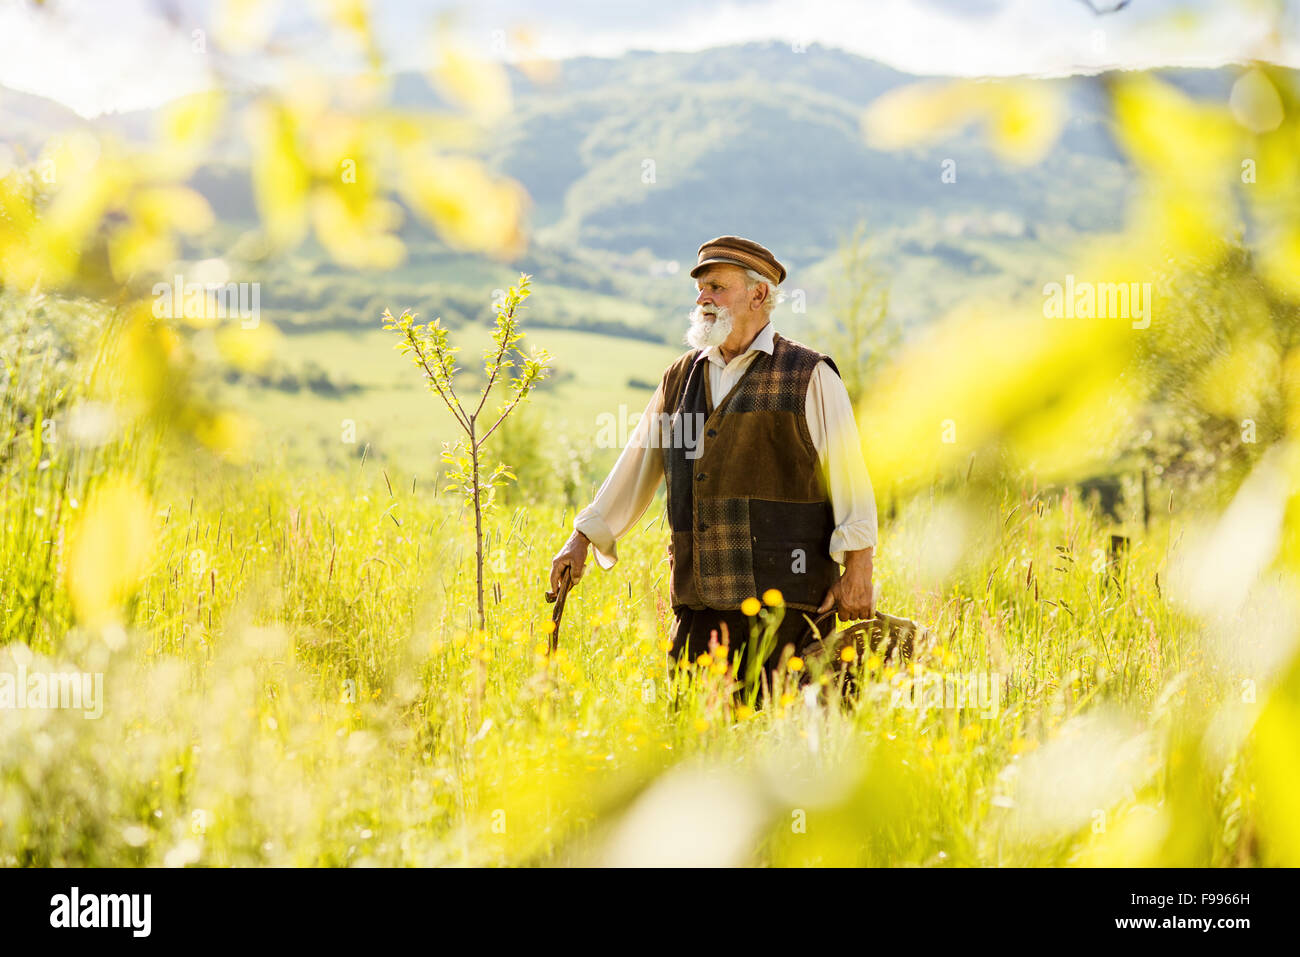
[(641, 157)]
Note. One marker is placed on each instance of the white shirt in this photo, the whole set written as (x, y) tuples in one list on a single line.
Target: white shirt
[(631, 485)]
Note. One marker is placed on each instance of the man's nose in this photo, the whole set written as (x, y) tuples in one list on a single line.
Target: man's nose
[(702, 299)]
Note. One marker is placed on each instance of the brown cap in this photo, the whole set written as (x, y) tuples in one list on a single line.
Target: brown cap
[(740, 252)]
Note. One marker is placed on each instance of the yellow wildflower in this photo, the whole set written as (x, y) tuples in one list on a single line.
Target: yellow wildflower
[(795, 663), (773, 597), (750, 606), (848, 653)]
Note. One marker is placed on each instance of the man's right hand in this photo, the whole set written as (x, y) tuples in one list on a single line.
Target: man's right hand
[(572, 556)]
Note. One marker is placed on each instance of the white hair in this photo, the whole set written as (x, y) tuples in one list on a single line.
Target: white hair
[(774, 293)]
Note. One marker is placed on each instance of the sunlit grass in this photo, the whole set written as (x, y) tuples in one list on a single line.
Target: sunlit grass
[(301, 683)]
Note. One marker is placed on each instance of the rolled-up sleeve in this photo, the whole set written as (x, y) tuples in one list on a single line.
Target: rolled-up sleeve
[(835, 434), (628, 490)]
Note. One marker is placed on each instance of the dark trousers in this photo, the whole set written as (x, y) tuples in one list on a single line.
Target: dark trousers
[(697, 627)]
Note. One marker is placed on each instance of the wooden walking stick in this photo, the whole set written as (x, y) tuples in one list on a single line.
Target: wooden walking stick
[(558, 597)]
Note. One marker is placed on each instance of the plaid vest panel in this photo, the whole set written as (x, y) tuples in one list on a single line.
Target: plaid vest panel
[(747, 501)]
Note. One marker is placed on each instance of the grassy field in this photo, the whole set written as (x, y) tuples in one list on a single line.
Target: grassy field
[(405, 426), (292, 675), (302, 684)]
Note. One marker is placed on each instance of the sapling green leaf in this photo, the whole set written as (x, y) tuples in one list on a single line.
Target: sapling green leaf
[(428, 347)]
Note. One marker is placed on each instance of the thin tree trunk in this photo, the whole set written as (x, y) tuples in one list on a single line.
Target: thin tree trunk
[(478, 530)]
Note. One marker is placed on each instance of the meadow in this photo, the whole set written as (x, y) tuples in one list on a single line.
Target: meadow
[(594, 375), (238, 544), (296, 677)]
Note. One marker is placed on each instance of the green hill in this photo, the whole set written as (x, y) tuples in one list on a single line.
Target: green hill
[(754, 139)]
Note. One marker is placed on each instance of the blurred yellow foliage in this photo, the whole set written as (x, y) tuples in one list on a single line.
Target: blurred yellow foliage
[(473, 209), (188, 124), (1021, 118), (248, 349), (281, 180), (109, 549), (1048, 391), (479, 85), (1277, 764)]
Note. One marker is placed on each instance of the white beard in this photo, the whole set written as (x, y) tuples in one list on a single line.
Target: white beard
[(705, 332)]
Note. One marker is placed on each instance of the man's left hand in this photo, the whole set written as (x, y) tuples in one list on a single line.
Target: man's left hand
[(853, 596)]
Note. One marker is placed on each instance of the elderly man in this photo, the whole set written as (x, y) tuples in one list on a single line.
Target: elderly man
[(766, 486)]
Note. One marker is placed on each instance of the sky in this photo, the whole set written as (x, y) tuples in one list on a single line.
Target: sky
[(101, 55)]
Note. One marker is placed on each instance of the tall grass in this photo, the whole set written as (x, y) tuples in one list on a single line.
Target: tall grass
[(297, 679)]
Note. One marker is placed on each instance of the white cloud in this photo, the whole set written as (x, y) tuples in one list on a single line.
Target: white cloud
[(96, 56), (928, 37)]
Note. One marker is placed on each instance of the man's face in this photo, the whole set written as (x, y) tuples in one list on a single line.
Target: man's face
[(722, 300), (722, 285)]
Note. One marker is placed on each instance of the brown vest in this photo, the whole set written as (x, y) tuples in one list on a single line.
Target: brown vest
[(747, 500)]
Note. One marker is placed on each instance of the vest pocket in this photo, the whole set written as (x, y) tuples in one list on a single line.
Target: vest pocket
[(790, 542), (799, 571), (720, 550)]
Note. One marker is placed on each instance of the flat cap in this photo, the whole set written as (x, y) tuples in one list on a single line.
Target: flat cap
[(740, 252)]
